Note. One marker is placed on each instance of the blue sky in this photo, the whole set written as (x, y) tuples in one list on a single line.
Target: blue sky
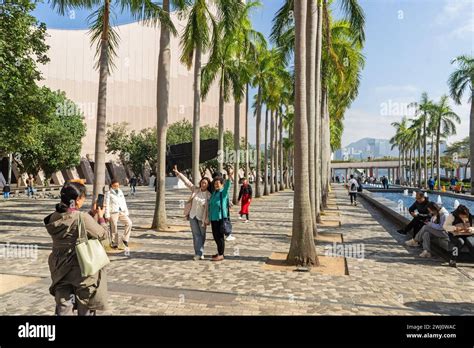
[(409, 47)]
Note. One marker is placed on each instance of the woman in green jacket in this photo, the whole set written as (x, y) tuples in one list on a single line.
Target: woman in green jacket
[(218, 211)]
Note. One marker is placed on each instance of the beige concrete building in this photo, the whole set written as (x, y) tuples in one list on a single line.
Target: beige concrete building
[(131, 89)]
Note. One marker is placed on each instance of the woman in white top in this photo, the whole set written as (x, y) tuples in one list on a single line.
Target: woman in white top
[(198, 217)]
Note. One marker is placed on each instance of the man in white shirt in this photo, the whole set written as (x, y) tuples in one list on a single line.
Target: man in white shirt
[(352, 186), (116, 210)]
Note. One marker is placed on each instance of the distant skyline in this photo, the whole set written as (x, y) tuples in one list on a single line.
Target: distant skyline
[(409, 47)]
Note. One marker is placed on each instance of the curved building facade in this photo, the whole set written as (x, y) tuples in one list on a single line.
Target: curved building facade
[(131, 88)]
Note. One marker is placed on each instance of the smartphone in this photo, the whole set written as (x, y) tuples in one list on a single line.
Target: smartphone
[(100, 201)]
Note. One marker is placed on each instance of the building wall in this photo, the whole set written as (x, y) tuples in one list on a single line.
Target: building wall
[(131, 88)]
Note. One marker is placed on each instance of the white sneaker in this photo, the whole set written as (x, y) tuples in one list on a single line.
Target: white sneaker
[(202, 257), (411, 243), (240, 217), (425, 254), (230, 238)]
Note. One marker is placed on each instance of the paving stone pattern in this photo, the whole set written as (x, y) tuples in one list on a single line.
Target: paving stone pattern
[(159, 276)]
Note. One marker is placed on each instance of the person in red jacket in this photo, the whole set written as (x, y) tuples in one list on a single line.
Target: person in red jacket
[(245, 197)]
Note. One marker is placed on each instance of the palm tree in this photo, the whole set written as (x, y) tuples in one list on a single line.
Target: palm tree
[(162, 105), (421, 110), (106, 39), (265, 178), (272, 152), (398, 140), (302, 247), (219, 66), (260, 73), (460, 80), (443, 120), (313, 130)]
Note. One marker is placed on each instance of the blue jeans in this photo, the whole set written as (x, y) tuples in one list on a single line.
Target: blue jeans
[(30, 191), (6, 194), (199, 236)]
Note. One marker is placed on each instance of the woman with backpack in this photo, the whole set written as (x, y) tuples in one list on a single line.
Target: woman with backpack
[(219, 215), (352, 187), (196, 211)]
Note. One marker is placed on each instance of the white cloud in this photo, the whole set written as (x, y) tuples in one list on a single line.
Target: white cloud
[(456, 20), (453, 10), (396, 89), (463, 31)]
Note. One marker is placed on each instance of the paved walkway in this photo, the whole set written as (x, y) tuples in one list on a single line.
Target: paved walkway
[(159, 276)]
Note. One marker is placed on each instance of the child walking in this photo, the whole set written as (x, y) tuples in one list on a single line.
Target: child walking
[(245, 198)]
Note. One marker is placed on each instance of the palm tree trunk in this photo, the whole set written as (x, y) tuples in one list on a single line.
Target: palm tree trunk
[(325, 154), (420, 183), (197, 115), (438, 156), (410, 168), (265, 179), (465, 168), (247, 161), (162, 101), (311, 32), (425, 160), (221, 127), (275, 149), (237, 150), (319, 107), (432, 154), (471, 137), (302, 248), (259, 154), (272, 158), (281, 150), (101, 124)]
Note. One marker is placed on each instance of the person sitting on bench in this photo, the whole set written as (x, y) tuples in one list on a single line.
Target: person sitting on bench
[(460, 232), (419, 212)]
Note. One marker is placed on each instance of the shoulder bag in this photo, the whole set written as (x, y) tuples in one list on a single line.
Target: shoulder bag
[(90, 252), (226, 224)]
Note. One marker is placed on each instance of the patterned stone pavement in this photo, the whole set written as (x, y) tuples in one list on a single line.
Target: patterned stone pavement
[(159, 276)]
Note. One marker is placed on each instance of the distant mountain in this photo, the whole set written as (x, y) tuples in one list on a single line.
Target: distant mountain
[(366, 147)]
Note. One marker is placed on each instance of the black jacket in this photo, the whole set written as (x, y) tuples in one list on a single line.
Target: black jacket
[(421, 207), (244, 190)]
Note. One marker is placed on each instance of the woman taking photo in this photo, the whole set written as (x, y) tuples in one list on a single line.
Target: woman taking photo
[(196, 211), (460, 232), (219, 214), (70, 289)]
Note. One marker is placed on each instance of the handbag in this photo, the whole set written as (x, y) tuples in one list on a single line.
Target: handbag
[(90, 252), (226, 224), (189, 205)]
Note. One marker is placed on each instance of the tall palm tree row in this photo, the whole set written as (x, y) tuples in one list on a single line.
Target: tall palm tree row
[(106, 39), (460, 81), (435, 120)]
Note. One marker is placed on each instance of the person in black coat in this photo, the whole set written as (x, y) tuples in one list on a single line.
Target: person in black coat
[(419, 212)]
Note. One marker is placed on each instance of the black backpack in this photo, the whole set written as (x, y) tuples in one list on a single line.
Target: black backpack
[(353, 187)]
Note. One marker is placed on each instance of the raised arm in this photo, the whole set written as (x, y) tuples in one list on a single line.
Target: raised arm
[(95, 230), (183, 178), (226, 187)]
